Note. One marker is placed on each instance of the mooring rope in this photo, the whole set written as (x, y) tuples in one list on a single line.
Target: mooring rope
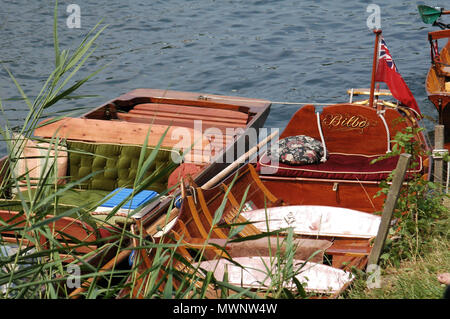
[(302, 103), (319, 126), (207, 97), (380, 114)]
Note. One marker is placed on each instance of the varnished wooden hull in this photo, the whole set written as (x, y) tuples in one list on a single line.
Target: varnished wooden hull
[(257, 109), (339, 185), (438, 90)]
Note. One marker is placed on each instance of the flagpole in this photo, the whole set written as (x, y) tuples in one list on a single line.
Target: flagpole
[(374, 65)]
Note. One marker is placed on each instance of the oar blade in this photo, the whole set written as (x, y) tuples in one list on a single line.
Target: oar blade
[(428, 14)]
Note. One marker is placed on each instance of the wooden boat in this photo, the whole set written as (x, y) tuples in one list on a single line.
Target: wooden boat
[(103, 146), (247, 264), (438, 80), (354, 136), (250, 202), (331, 201), (345, 183)]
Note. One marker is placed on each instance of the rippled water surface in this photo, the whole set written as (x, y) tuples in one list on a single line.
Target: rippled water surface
[(295, 51)]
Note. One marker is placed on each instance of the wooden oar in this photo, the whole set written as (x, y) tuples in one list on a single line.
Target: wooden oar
[(237, 162)]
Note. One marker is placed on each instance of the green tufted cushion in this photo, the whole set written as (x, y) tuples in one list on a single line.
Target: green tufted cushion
[(118, 165)]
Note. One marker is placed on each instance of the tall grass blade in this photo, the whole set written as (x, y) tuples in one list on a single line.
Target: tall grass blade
[(55, 35), (19, 88)]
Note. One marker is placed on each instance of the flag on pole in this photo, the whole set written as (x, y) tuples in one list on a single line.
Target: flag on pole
[(388, 73)]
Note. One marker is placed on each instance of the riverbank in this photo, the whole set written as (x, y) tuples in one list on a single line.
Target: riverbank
[(413, 279)]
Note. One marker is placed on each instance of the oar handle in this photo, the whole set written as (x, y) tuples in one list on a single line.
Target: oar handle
[(445, 12)]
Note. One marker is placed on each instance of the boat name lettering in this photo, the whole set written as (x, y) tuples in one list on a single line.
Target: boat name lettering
[(345, 121)]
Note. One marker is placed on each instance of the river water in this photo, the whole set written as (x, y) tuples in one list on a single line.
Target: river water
[(282, 51)]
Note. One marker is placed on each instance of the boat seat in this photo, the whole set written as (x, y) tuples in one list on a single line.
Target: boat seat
[(117, 165), (193, 113), (186, 116), (338, 166)]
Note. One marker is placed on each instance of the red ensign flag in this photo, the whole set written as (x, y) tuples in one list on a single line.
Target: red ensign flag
[(387, 72)]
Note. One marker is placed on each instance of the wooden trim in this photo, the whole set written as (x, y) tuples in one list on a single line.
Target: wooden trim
[(349, 251), (261, 186), (435, 35), (196, 97), (200, 103), (196, 217), (234, 216), (102, 131), (205, 118), (364, 91), (178, 110), (207, 213), (348, 181), (181, 239)]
